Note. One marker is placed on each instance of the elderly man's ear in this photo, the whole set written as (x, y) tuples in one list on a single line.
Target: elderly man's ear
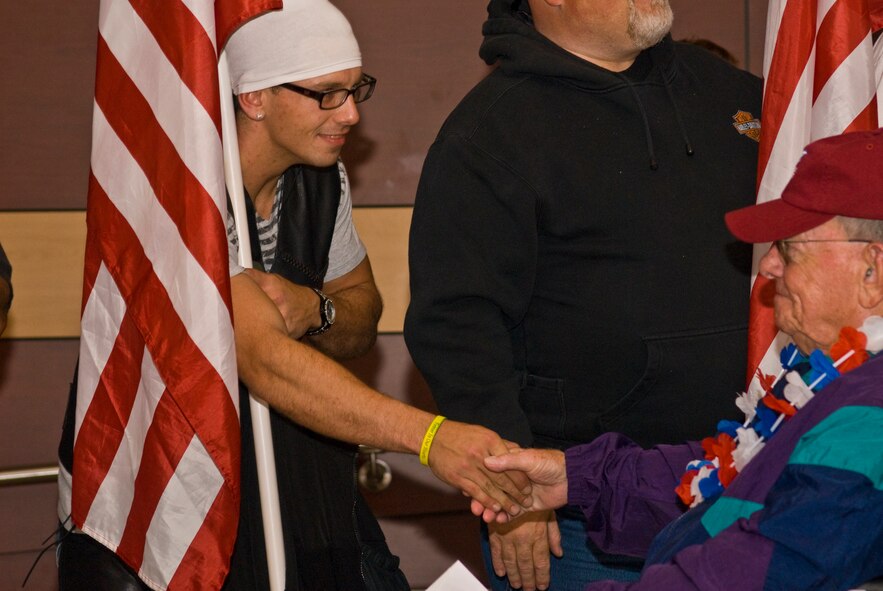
[(871, 293)]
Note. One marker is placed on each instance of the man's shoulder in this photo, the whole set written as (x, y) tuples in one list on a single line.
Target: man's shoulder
[(713, 68), (499, 104), (862, 385)]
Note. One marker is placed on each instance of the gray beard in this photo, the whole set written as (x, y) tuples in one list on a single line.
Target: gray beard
[(646, 29)]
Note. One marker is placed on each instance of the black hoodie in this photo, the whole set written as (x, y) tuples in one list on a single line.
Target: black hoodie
[(571, 273)]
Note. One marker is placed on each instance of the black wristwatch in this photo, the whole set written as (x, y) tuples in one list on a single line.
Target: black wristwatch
[(326, 313)]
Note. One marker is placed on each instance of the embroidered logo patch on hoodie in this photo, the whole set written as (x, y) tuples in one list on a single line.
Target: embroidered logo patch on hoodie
[(747, 124)]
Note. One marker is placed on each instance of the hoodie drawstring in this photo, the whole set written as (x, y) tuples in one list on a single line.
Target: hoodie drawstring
[(651, 151), (688, 145), (647, 135), (674, 105)]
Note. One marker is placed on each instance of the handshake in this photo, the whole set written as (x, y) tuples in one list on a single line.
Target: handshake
[(502, 479)]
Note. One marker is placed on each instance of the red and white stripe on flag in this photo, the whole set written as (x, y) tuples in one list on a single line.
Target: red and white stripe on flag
[(822, 77), (157, 448)]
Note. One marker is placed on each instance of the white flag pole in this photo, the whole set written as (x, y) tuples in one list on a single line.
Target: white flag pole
[(260, 413)]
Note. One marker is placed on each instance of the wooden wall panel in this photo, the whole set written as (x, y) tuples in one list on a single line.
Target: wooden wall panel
[(425, 57), (757, 10), (34, 380), (46, 251), (738, 26), (29, 519), (720, 21), (384, 230), (47, 56), (34, 383)]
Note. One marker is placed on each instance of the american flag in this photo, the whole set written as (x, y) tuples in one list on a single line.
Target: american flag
[(156, 452), (822, 77)]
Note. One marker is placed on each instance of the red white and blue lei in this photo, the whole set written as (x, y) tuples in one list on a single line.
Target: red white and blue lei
[(767, 407)]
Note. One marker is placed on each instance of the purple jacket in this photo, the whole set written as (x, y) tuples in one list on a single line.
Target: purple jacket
[(806, 513)]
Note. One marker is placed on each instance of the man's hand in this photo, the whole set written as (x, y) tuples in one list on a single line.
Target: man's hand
[(298, 305), (543, 467), (457, 457), (520, 549)]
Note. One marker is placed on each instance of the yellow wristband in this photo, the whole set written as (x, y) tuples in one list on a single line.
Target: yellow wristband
[(427, 439)]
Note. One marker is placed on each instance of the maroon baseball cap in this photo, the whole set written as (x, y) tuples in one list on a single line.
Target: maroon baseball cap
[(838, 175)]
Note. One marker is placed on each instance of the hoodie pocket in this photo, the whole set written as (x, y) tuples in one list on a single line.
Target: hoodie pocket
[(690, 382), (542, 400)]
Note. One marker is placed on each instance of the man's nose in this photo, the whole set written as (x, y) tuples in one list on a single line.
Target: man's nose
[(348, 112), (771, 265)]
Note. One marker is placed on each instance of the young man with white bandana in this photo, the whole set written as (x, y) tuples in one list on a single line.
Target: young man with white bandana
[(297, 76), (790, 497)]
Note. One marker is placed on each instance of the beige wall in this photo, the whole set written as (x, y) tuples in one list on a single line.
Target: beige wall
[(425, 57)]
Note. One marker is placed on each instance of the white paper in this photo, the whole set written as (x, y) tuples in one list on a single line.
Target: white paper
[(457, 578)]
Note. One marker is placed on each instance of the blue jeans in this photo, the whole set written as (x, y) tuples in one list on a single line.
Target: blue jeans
[(582, 563)]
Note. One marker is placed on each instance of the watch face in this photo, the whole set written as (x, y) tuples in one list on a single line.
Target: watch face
[(329, 311)]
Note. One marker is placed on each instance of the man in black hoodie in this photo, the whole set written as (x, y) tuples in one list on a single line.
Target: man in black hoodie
[(568, 221)]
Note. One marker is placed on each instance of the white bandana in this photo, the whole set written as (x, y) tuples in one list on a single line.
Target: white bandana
[(306, 39)]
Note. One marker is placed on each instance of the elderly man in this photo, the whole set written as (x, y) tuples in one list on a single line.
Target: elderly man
[(791, 498)]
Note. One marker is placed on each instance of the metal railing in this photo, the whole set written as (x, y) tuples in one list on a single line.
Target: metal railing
[(374, 474), (28, 475)]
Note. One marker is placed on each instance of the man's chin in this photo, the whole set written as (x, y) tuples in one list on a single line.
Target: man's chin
[(783, 325), (323, 161), (649, 25)]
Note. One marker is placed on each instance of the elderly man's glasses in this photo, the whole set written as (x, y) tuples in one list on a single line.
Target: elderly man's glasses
[(331, 99), (782, 245)]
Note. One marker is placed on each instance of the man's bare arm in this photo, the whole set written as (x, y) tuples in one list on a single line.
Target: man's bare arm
[(356, 301), (358, 306), (316, 392)]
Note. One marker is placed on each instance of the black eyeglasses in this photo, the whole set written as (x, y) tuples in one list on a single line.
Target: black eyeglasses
[(331, 99), (782, 245)]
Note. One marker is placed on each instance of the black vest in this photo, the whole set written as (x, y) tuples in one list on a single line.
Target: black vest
[(327, 528), (310, 198)]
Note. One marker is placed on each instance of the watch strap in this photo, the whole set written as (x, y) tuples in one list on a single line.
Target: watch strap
[(324, 302)]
